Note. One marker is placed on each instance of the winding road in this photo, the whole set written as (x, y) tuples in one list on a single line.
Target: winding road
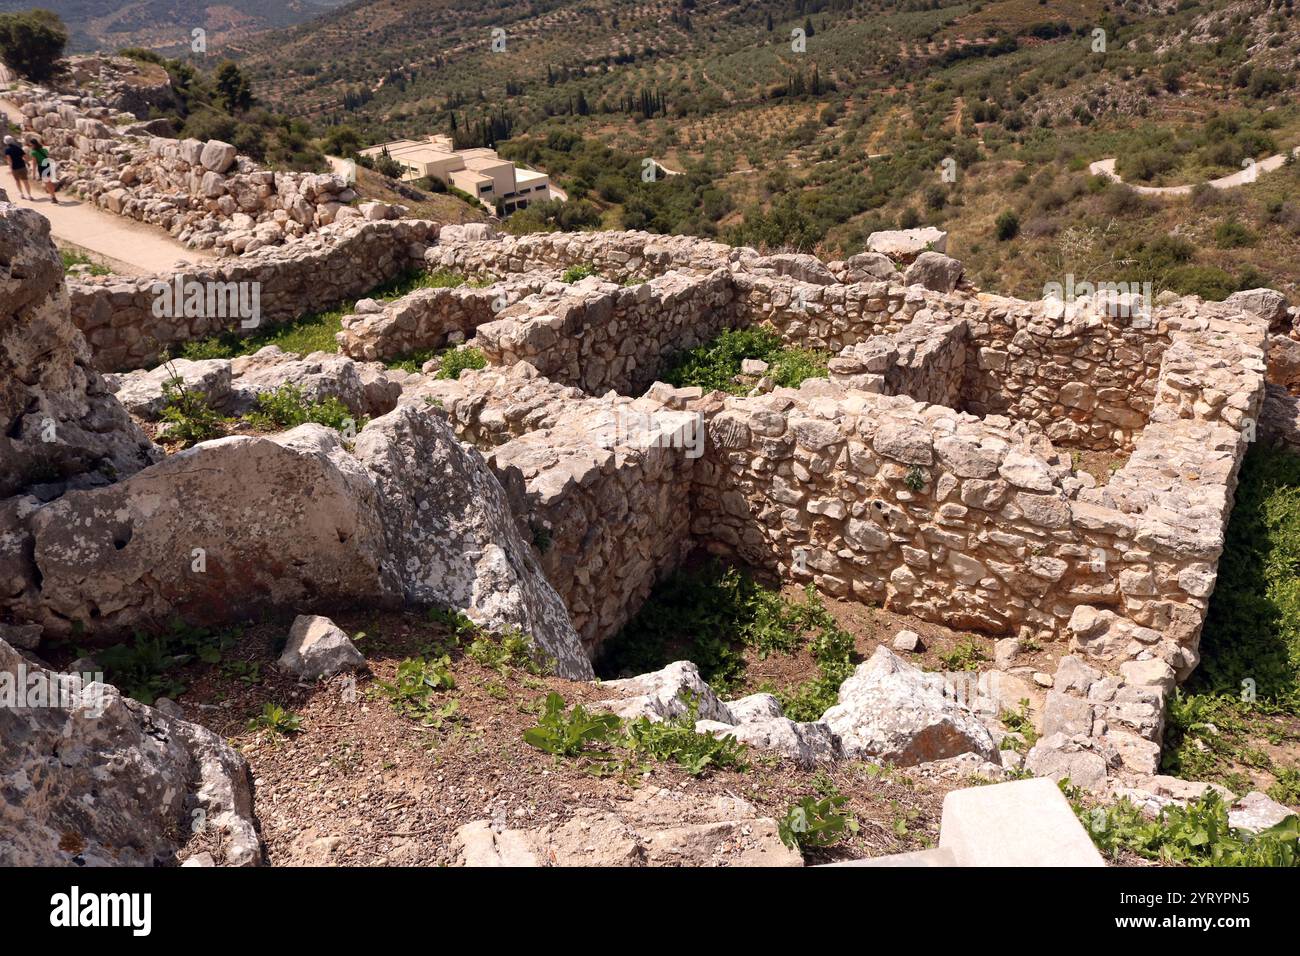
[(1106, 167)]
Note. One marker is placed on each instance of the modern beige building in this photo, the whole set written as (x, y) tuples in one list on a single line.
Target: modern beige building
[(480, 172)]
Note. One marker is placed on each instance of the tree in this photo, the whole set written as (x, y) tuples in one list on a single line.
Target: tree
[(233, 88), (32, 43)]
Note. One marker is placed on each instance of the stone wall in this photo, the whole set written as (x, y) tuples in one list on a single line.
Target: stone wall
[(599, 485), (981, 523), (598, 336), (339, 263), (203, 193)]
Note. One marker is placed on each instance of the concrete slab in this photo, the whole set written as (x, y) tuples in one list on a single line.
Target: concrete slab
[(1021, 823)]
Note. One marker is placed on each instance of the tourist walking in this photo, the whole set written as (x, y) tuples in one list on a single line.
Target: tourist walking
[(18, 166), (42, 166)]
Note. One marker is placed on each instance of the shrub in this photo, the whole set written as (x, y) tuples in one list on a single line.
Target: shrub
[(287, 407), (1232, 235), (188, 417), (456, 361), (1006, 226), (32, 42)]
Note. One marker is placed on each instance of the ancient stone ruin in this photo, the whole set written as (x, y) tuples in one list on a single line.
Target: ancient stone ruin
[(936, 471)]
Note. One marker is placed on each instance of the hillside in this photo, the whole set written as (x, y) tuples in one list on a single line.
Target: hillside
[(167, 24), (814, 150)]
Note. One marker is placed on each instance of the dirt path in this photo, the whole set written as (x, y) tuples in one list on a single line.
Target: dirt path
[(126, 246), (1106, 167)]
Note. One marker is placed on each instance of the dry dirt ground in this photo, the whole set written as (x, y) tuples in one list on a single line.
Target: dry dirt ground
[(360, 784)]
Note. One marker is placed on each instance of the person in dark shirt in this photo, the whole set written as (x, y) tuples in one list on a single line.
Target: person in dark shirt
[(18, 166), (42, 166)]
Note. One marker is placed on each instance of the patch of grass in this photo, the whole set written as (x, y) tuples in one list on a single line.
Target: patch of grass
[(832, 649), (1197, 835), (457, 360), (1247, 686), (72, 258), (715, 365), (710, 614), (578, 273)]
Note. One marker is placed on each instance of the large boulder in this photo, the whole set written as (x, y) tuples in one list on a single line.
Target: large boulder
[(318, 376), (452, 539), (92, 778), (142, 392), (59, 425), (904, 245), (213, 533), (1268, 304), (893, 711), (934, 271), (869, 267)]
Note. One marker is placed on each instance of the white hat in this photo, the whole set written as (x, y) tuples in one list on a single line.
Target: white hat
[(9, 140)]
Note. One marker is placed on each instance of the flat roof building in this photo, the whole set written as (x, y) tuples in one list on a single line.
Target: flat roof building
[(479, 171)]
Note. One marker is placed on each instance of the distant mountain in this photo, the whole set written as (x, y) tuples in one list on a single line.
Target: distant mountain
[(109, 25)]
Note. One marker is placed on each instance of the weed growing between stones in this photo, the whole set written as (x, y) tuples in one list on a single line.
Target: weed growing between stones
[(287, 407), (605, 741), (709, 615), (1195, 835), (814, 822), (578, 273), (72, 259), (716, 364), (457, 360), (1246, 691), (188, 416)]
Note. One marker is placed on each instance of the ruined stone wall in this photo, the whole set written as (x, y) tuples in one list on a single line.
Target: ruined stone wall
[(203, 193), (618, 256), (340, 263), (925, 360), (598, 336), (600, 486), (424, 319), (981, 524)]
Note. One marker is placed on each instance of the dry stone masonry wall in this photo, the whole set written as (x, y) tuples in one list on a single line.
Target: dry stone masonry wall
[(203, 193)]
